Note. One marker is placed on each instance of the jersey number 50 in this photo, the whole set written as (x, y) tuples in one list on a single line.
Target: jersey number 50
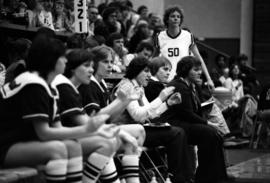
[(173, 52)]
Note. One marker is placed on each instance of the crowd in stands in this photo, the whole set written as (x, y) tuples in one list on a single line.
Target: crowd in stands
[(69, 119)]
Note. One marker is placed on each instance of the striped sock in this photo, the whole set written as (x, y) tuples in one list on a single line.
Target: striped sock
[(93, 166), (130, 166), (74, 170), (56, 170), (109, 173)]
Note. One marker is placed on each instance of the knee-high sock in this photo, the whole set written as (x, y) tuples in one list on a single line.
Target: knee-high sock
[(130, 166), (93, 166), (109, 173), (56, 170), (74, 170)]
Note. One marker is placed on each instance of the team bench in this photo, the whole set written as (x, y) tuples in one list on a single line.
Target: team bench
[(20, 174)]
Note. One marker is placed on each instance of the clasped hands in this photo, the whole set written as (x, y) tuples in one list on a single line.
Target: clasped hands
[(171, 97)]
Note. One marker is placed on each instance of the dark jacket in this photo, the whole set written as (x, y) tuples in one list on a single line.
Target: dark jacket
[(189, 111)]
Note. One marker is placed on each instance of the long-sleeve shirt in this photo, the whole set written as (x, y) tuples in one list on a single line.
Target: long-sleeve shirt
[(141, 110)]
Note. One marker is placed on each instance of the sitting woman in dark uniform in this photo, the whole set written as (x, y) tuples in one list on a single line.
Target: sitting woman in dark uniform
[(200, 132)]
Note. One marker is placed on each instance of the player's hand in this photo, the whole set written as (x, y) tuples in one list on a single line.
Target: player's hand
[(126, 94), (126, 138), (97, 121), (174, 99), (108, 131), (163, 95)]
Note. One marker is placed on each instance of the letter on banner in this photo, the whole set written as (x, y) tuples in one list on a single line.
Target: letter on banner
[(80, 12)]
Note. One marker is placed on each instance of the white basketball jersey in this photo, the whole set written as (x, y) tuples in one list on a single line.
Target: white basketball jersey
[(174, 48)]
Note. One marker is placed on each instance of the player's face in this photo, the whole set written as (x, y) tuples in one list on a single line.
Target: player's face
[(163, 73), (105, 66), (174, 19), (60, 65), (143, 77), (84, 72), (195, 74)]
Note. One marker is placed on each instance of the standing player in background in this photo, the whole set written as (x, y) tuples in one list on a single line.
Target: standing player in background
[(176, 42)]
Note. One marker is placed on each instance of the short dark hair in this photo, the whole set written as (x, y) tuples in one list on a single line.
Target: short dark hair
[(140, 8), (107, 12), (158, 62), (136, 66), (185, 65), (144, 45), (100, 53), (112, 37), (75, 41), (75, 58), (46, 31), (43, 54), (170, 10)]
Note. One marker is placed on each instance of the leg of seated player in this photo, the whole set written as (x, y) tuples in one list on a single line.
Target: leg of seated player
[(53, 154), (99, 162), (75, 165), (130, 159)]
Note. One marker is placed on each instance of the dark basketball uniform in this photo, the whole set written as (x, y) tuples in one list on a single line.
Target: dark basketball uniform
[(95, 96), (24, 101), (69, 103)]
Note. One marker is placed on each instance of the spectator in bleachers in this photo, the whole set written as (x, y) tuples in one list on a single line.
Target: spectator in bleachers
[(130, 18), (248, 76), (216, 73), (116, 42), (264, 103), (79, 71), (32, 135), (141, 32), (20, 15), (154, 21), (141, 111), (143, 12), (75, 41), (200, 132), (93, 18), (237, 88), (176, 42), (225, 79), (109, 24), (60, 18), (45, 18), (144, 49)]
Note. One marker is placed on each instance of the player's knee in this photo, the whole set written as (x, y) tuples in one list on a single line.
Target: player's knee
[(56, 150), (109, 147), (141, 136), (74, 148)]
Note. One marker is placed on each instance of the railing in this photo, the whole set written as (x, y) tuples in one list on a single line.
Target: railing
[(198, 42)]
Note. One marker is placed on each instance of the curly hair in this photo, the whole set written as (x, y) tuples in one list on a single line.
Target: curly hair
[(170, 10)]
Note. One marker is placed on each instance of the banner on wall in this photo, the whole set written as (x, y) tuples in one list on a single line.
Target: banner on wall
[(80, 13)]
